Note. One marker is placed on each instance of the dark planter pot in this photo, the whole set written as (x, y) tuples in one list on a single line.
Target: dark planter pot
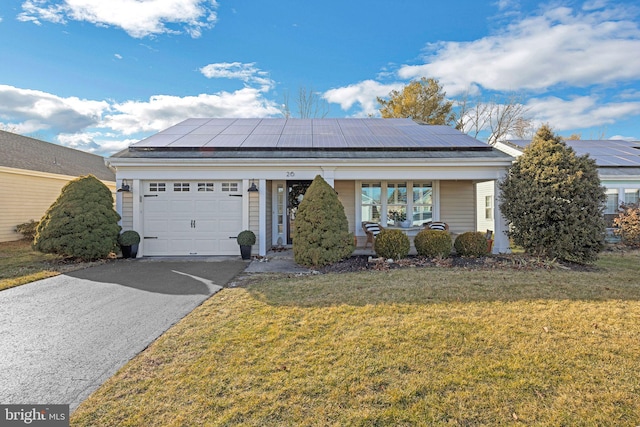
[(129, 251), (245, 251)]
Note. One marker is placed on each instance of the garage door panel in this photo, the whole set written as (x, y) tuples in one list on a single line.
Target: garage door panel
[(191, 222)]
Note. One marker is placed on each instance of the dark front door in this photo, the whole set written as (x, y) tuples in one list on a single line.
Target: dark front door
[(295, 194)]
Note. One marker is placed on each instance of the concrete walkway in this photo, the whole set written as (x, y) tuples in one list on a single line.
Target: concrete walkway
[(61, 338)]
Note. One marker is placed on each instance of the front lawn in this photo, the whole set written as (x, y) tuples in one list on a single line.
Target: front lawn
[(19, 264), (434, 346)]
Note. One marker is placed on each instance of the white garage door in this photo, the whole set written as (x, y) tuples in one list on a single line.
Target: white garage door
[(191, 217)]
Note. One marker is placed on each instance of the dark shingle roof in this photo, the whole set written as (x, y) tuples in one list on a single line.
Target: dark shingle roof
[(21, 152)]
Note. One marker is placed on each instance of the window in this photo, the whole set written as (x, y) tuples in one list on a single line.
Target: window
[(422, 203), (631, 197), (397, 205), (371, 194), (181, 187), (488, 207), (611, 206), (155, 187), (229, 186), (205, 186)]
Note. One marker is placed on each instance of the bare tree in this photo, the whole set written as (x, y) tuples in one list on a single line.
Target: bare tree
[(500, 116), (309, 103)]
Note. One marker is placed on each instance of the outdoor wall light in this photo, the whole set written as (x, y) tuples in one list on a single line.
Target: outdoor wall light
[(124, 187), (253, 187)]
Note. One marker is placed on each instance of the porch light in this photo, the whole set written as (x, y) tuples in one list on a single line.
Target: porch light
[(253, 187), (124, 187)]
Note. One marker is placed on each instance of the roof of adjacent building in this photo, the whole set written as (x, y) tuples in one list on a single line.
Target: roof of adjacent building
[(611, 153), (309, 138), (21, 152)]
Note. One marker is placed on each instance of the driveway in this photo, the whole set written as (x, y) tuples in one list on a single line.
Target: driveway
[(61, 338)]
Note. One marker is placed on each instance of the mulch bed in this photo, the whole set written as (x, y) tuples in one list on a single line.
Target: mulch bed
[(513, 262)]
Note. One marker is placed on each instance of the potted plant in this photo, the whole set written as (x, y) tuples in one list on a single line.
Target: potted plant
[(128, 242), (246, 239)]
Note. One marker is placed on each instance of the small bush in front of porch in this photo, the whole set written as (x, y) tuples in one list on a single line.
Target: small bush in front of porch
[(471, 243), (321, 228), (392, 243), (628, 223), (27, 229), (433, 243)]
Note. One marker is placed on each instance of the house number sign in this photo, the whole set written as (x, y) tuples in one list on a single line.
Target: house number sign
[(291, 174)]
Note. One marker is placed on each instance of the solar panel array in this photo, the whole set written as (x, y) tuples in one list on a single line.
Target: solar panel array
[(609, 152), (245, 134)]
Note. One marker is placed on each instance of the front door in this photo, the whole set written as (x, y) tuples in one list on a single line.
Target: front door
[(295, 194)]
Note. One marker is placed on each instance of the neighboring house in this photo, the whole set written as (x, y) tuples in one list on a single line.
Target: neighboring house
[(195, 186), (618, 163), (32, 173)]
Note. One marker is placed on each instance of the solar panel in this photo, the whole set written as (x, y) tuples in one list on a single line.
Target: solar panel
[(309, 133), (605, 152)]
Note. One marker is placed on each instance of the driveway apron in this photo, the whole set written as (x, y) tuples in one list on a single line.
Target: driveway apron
[(61, 338)]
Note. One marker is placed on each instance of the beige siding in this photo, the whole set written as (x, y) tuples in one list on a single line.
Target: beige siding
[(24, 197), (347, 196), (269, 219), (254, 214), (457, 205), (127, 211)]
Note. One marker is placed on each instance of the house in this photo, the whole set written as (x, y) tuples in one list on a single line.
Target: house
[(618, 163), (32, 173), (195, 186)]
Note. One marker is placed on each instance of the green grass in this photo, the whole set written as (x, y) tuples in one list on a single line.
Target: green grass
[(403, 347), (19, 264)]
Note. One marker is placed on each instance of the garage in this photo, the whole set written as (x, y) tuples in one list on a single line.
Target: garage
[(191, 217)]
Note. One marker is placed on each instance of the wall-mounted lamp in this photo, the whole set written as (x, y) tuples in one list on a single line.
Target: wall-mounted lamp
[(124, 187), (253, 188)]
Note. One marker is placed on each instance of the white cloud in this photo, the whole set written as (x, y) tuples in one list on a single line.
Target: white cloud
[(363, 93), (117, 55), (101, 126), (624, 138), (137, 18), (580, 112), (536, 53), (247, 72)]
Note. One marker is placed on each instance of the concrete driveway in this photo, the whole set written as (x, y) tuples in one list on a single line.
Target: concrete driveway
[(61, 338)]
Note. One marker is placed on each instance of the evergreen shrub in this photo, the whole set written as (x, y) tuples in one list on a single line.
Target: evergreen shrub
[(81, 223), (246, 238), (321, 227), (471, 243), (433, 243), (129, 238), (392, 244), (27, 229)]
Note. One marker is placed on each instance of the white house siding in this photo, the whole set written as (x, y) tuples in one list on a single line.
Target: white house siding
[(347, 196), (26, 195), (457, 205), (254, 215), (484, 189)]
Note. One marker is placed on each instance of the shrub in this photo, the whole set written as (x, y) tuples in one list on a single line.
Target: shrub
[(128, 238), (321, 228), (433, 243), (628, 223), (27, 229), (471, 243), (554, 202), (391, 243), (246, 238), (81, 223)]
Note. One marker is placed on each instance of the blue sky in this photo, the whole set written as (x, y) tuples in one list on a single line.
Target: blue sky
[(99, 75)]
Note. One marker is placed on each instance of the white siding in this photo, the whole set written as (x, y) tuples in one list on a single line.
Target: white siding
[(484, 190), (254, 215), (347, 196), (127, 211), (457, 205)]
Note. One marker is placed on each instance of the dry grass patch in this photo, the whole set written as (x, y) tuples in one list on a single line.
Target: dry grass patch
[(403, 347)]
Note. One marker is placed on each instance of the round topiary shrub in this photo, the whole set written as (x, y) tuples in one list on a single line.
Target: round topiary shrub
[(246, 238), (81, 223), (129, 238), (471, 243), (392, 244), (433, 243)]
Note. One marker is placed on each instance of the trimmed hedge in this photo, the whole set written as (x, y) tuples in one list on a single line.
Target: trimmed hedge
[(433, 243), (392, 244), (471, 243)]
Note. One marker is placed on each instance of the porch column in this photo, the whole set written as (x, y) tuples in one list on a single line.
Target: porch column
[(500, 226), (262, 215)]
